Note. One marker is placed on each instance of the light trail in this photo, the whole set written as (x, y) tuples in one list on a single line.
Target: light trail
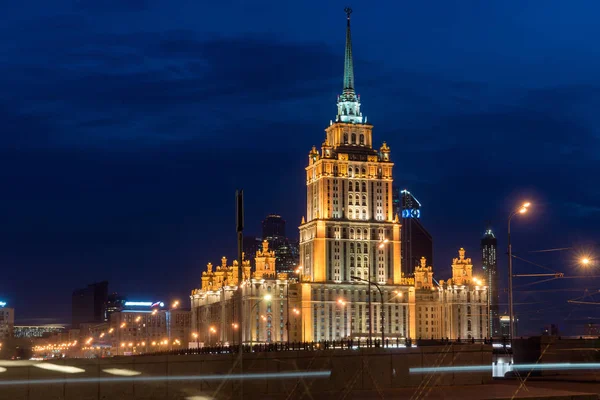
[(484, 368), (282, 375)]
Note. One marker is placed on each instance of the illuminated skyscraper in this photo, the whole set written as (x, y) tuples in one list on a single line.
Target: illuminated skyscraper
[(349, 198), (416, 240), (489, 245)]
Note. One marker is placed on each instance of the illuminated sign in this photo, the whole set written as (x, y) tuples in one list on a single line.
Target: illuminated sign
[(144, 304), (2, 303), (411, 213)]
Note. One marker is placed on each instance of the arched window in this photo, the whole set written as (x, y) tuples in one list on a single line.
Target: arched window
[(469, 298), (350, 186), (362, 139), (351, 247), (364, 171), (365, 248), (351, 262), (364, 200), (366, 260), (364, 186), (358, 264), (367, 234), (364, 214), (345, 138), (469, 325), (354, 138), (351, 235), (350, 171), (358, 248)]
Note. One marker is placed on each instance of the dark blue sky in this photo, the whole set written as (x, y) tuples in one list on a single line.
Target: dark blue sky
[(126, 127)]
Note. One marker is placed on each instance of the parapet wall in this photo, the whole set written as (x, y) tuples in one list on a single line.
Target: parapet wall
[(364, 369)]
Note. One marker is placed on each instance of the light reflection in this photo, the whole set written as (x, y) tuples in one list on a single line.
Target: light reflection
[(121, 372), (59, 368)]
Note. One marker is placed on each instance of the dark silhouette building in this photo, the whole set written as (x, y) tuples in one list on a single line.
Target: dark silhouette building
[(250, 245), (88, 304), (273, 230), (489, 246), (286, 251), (114, 303), (416, 240)]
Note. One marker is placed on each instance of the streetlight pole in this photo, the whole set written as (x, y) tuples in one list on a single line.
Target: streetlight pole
[(266, 297), (520, 210), (356, 278)]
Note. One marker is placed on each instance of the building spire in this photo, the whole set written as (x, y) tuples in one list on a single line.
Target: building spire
[(348, 103), (348, 66)]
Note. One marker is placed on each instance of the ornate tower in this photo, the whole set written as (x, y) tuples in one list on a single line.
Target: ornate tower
[(350, 229), (462, 269)]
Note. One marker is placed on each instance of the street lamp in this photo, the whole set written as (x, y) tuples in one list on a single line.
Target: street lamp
[(266, 297), (195, 335), (211, 330), (521, 210), (356, 278)]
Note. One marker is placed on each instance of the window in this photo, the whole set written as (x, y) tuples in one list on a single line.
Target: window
[(345, 138), (362, 139), (354, 138)]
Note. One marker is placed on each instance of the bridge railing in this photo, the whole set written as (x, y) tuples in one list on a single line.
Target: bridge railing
[(344, 344)]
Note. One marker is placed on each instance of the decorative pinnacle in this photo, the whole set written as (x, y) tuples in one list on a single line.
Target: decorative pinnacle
[(348, 11)]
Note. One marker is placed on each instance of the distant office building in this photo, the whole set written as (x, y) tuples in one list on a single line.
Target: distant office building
[(489, 246), (288, 255), (287, 251), (146, 327), (88, 304), (7, 321), (416, 241), (250, 246), (115, 303), (273, 227), (38, 331)]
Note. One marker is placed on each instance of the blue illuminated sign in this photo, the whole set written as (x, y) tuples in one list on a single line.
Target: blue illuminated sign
[(411, 213), (144, 304), (2, 303)]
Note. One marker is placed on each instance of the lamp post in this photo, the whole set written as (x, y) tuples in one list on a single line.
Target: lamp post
[(266, 297), (356, 278), (521, 210), (211, 330)]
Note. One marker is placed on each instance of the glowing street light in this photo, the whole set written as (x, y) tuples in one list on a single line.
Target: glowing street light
[(521, 210), (585, 261)]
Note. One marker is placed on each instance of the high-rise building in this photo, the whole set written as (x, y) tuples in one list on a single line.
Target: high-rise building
[(416, 240), (350, 236), (273, 228), (286, 250), (251, 245), (7, 321), (349, 199), (115, 303), (489, 245), (88, 304)]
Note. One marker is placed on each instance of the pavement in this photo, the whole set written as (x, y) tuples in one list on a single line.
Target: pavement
[(498, 390)]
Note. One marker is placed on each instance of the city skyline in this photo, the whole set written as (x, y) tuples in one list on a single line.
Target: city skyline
[(103, 218)]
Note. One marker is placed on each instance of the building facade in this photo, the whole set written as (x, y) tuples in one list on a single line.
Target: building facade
[(489, 246), (350, 283), (7, 321), (38, 331), (88, 304), (417, 242)]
